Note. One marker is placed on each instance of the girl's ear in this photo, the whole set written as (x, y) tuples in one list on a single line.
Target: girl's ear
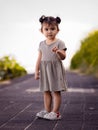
[(41, 30), (58, 31)]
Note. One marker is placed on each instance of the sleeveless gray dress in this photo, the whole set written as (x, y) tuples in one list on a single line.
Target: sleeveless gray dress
[(52, 71)]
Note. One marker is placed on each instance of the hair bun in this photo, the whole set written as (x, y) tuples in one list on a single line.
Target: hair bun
[(58, 20), (42, 18)]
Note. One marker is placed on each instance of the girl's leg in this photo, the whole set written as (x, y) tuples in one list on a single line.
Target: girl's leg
[(47, 101), (56, 101)]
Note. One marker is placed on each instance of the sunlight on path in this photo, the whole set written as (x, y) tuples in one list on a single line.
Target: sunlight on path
[(80, 90), (34, 90)]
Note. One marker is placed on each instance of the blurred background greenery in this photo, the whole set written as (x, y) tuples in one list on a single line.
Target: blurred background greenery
[(9, 68), (86, 58)]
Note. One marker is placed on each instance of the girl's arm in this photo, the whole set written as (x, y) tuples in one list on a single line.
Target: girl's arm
[(60, 53), (38, 65)]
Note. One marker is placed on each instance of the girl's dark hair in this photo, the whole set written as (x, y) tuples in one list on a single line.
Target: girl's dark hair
[(50, 20)]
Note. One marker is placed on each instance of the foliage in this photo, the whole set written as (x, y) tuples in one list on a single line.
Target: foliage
[(86, 59), (9, 68)]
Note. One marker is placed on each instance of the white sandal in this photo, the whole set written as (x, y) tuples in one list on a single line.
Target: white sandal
[(41, 114), (52, 116)]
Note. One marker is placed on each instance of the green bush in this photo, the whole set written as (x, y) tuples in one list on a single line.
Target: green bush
[(86, 59), (9, 68)]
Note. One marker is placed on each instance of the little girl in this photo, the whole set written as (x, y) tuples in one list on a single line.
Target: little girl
[(49, 68)]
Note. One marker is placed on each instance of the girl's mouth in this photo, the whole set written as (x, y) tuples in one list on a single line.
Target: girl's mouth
[(49, 35)]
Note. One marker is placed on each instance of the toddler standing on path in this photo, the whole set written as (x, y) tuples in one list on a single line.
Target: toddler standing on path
[(49, 68)]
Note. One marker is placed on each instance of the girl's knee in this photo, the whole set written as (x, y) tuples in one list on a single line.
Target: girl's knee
[(57, 93), (47, 93)]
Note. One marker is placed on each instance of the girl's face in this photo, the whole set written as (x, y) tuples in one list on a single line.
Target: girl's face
[(50, 31)]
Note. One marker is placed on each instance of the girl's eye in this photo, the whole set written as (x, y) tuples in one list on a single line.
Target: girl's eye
[(46, 29), (52, 28)]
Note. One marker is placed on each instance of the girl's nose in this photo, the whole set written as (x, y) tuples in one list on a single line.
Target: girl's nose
[(49, 31)]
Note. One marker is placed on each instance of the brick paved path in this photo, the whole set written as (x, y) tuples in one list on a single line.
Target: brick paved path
[(20, 100)]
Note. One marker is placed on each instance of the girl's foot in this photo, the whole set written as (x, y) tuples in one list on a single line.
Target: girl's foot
[(41, 114), (52, 116)]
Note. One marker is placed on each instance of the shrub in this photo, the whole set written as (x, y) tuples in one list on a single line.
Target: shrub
[(86, 59), (9, 68)]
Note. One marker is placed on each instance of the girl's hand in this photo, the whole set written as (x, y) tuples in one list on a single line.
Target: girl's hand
[(37, 75), (54, 49), (60, 53)]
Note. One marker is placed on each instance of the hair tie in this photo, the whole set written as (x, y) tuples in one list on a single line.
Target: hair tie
[(42, 18), (58, 20)]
